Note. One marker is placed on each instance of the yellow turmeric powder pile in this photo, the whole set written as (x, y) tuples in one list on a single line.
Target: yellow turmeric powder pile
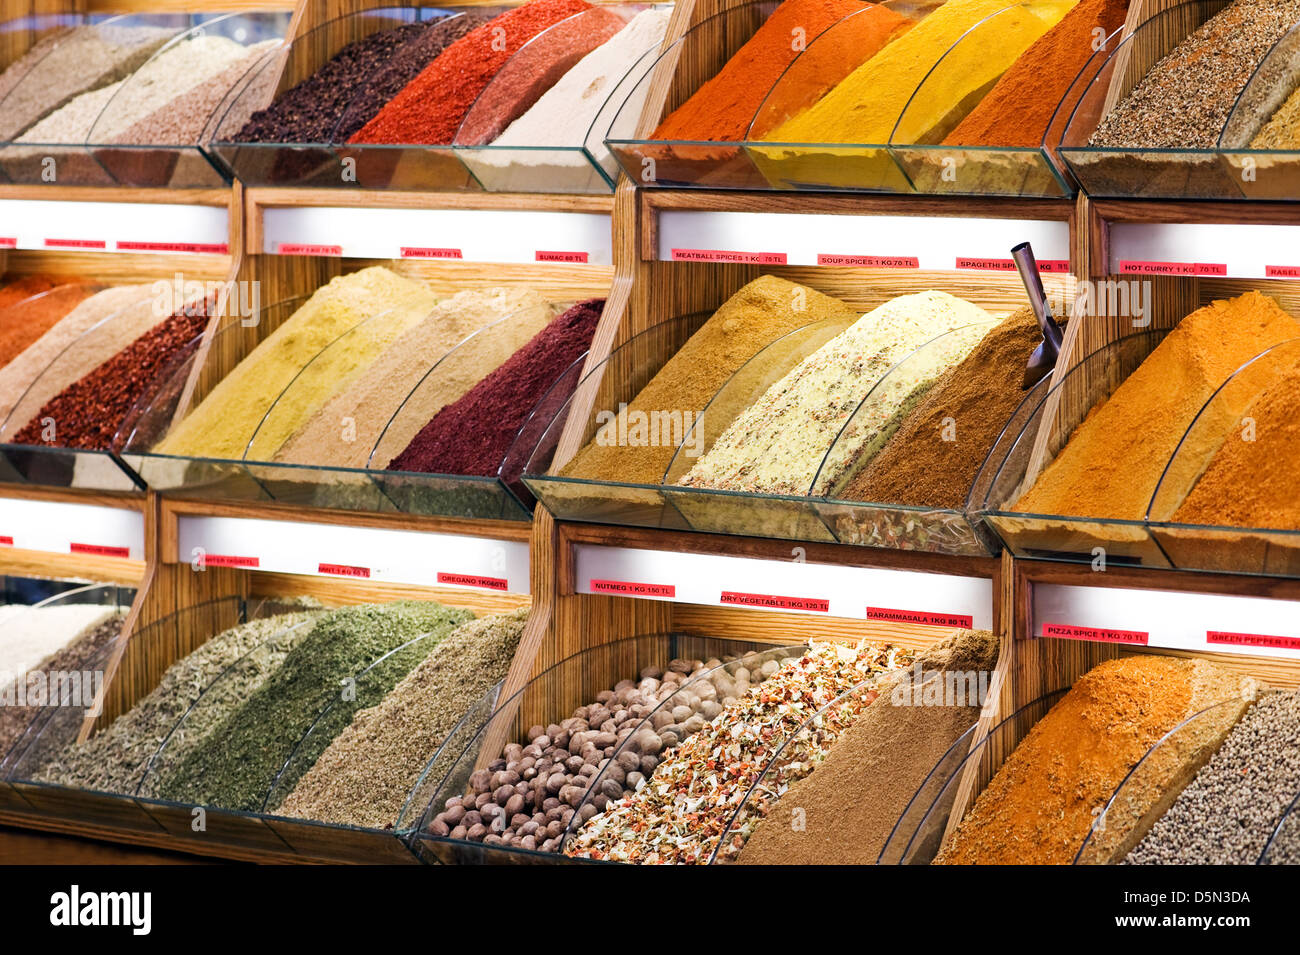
[(1114, 460)]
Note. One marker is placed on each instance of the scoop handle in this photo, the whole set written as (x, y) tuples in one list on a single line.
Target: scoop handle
[(1027, 266)]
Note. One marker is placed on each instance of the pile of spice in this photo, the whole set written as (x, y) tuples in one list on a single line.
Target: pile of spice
[(1136, 430), (473, 434), (116, 759), (1248, 482), (1228, 811), (79, 655), (33, 634), (1282, 131), (77, 344), (249, 753), (778, 444), (182, 120), (681, 813), (432, 106), (761, 312), (865, 106), (367, 773), (23, 323), (16, 290), (1186, 98), (724, 106), (82, 59), (90, 412), (412, 375), (378, 303), (933, 457), (848, 807), (1021, 105), (530, 796), (1044, 800)]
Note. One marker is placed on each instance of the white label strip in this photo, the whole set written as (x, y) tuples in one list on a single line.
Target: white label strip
[(328, 550), (62, 528), (939, 243), (1251, 626), (820, 589), (469, 235), (1192, 249), (114, 226)]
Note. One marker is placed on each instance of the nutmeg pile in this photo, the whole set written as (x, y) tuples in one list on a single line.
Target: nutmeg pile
[(528, 797)]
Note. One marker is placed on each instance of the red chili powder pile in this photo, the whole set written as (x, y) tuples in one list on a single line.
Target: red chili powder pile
[(89, 412), (33, 316), (431, 107), (11, 293), (473, 434), (722, 109), (1020, 107)]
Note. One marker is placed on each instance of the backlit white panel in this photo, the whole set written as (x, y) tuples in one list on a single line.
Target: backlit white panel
[(1191, 249), (64, 528), (114, 226)]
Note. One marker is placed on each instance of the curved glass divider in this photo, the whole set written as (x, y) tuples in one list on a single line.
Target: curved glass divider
[(1283, 846), (953, 786), (53, 731), (330, 162), (751, 514), (971, 67), (50, 463), (1045, 430), (1153, 784), (548, 699), (558, 167), (873, 423), (126, 42), (20, 37), (601, 397), (179, 394), (1200, 173), (1225, 419), (1264, 170), (703, 696)]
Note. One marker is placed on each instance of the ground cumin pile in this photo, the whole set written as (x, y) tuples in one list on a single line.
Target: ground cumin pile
[(1115, 458), (722, 109), (1039, 807), (849, 805), (1020, 107), (977, 397), (755, 316)]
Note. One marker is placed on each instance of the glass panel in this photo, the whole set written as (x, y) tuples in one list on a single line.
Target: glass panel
[(1045, 431), (1227, 419), (1152, 786), (963, 771), (1283, 847), (1151, 172), (1262, 153)]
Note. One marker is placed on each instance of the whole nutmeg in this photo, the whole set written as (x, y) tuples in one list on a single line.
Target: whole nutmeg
[(599, 802), (503, 794), (555, 782), (669, 739), (513, 753), (519, 820), (612, 789), (471, 819), (648, 764), (482, 799), (535, 731), (551, 802), (615, 773), (492, 839), (476, 833), (460, 832), (454, 814), (681, 713), (588, 811), (576, 795), (514, 804), (634, 779), (648, 743), (528, 842), (496, 765), (439, 828), (629, 761), (573, 763), (651, 672), (601, 740), (480, 780)]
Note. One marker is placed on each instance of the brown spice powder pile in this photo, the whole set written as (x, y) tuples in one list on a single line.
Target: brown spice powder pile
[(1185, 100), (1116, 456), (755, 316), (1040, 806), (849, 805), (918, 466)]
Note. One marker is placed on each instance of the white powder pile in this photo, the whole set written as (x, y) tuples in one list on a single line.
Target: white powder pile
[(77, 344), (344, 431), (30, 634), (564, 115), (777, 444), (82, 59)]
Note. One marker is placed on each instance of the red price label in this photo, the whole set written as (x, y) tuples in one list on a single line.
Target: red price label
[(1094, 634), (8, 242), (724, 255), (419, 252), (1227, 638), (576, 258), (6, 542), (1186, 269), (473, 580), (870, 261), (295, 248), (343, 570), (100, 550), (631, 589), (194, 248), (76, 244), (774, 602), (1274, 271), (923, 617), (229, 560)]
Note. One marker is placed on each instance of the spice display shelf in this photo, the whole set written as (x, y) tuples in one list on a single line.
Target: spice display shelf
[(49, 531)]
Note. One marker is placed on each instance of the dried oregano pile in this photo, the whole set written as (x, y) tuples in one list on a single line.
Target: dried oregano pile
[(240, 761)]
